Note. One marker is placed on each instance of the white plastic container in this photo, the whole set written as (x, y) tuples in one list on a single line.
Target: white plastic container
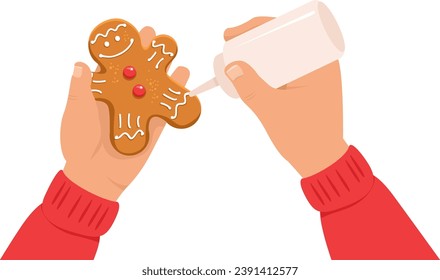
[(283, 49)]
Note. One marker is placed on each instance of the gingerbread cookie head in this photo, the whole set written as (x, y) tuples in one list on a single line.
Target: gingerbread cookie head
[(133, 82)]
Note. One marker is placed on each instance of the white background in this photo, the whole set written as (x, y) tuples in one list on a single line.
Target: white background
[(233, 200)]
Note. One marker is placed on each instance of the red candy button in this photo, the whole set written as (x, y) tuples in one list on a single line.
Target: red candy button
[(139, 90), (129, 72)]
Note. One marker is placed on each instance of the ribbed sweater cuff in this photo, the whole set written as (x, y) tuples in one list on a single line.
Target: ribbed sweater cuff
[(345, 182), (73, 209)]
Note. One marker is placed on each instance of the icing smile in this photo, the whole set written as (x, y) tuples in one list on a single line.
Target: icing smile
[(120, 53)]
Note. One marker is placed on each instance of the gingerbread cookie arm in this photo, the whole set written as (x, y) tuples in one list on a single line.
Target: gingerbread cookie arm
[(161, 53), (181, 110), (97, 85)]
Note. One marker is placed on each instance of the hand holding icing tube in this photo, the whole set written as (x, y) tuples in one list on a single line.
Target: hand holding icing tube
[(282, 49), (360, 217), (301, 112)]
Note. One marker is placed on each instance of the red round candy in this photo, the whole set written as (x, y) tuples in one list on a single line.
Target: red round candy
[(139, 90), (129, 72)]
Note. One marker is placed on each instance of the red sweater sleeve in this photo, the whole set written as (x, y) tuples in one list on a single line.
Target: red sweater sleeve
[(360, 217), (67, 225)]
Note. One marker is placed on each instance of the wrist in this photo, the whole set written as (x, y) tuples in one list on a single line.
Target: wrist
[(73, 209), (343, 183), (311, 161), (93, 181)]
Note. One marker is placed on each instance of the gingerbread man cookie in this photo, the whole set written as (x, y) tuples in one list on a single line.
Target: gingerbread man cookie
[(134, 84)]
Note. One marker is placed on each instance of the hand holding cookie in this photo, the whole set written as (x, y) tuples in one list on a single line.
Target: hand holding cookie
[(91, 159)]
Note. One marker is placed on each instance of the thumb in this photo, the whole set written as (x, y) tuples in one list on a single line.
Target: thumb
[(80, 83), (81, 105), (252, 89), (80, 115)]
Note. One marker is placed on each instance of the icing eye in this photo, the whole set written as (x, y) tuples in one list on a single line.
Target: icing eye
[(117, 38), (106, 44)]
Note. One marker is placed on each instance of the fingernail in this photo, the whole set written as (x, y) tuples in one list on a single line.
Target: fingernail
[(77, 71), (234, 72)]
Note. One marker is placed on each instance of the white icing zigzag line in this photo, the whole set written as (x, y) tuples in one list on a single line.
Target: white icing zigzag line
[(117, 137), (99, 81), (169, 97), (173, 91), (97, 90), (106, 34), (179, 104), (165, 105), (163, 48), (118, 54), (151, 57), (157, 65)]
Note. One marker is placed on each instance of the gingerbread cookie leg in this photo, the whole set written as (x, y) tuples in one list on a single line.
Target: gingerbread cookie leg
[(130, 129), (133, 82)]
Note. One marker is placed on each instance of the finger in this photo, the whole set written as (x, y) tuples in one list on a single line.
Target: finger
[(80, 109), (181, 75), (252, 89), (80, 93), (235, 31), (155, 128), (104, 118), (147, 34)]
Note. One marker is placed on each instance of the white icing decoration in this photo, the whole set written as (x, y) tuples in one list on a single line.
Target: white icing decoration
[(163, 48), (118, 54), (157, 65), (117, 38), (166, 105), (97, 90), (169, 97), (138, 120), (117, 137), (173, 91), (120, 120), (151, 57), (128, 121), (106, 44), (106, 34), (99, 81), (179, 104)]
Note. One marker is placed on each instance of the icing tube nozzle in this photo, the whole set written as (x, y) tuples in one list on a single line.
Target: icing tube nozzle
[(204, 87), (220, 79)]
